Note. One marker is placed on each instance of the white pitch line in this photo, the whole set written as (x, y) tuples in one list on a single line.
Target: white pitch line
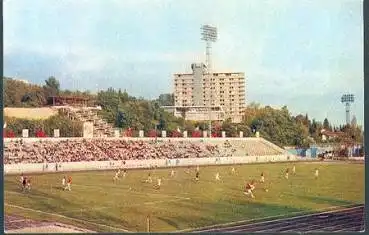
[(63, 216), (91, 209), (133, 192), (212, 227), (289, 218)]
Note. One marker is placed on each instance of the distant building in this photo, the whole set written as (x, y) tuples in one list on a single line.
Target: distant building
[(192, 95), (329, 135), (21, 80)]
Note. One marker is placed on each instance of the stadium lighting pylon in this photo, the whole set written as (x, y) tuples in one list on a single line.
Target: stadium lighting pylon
[(209, 35), (347, 99)]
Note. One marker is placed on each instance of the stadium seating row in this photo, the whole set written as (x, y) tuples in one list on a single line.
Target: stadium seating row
[(105, 150)]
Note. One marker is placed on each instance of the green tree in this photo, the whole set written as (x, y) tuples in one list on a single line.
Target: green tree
[(326, 124), (230, 128), (51, 87), (166, 99)]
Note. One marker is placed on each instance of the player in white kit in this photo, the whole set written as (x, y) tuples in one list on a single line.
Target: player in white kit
[(149, 179), (217, 177), (294, 170), (64, 181), (172, 173), (233, 170), (29, 184), (157, 186), (116, 177), (316, 173)]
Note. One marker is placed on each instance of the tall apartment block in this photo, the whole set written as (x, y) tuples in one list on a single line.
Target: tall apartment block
[(197, 92)]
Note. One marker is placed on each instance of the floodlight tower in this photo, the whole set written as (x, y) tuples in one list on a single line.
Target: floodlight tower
[(347, 99), (209, 35)]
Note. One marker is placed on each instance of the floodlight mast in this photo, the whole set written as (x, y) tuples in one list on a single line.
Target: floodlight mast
[(209, 35), (347, 99)]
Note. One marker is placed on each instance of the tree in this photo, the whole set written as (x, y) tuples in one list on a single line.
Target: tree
[(51, 87), (121, 120), (326, 124), (244, 128), (20, 94), (166, 99), (229, 128), (162, 124)]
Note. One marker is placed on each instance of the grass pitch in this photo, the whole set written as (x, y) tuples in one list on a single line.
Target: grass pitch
[(99, 204)]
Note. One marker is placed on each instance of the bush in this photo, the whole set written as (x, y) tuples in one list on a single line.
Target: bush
[(152, 133), (40, 134), (196, 134), (175, 134), (44, 128), (9, 134)]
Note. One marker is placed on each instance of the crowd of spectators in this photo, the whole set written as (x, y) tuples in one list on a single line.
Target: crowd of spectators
[(106, 150)]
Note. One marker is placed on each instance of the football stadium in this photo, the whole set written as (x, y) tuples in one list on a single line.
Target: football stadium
[(176, 185), (197, 159)]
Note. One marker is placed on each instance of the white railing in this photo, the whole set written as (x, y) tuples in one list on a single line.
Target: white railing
[(136, 164)]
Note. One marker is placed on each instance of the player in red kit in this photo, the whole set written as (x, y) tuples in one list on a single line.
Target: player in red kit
[(249, 187), (69, 182)]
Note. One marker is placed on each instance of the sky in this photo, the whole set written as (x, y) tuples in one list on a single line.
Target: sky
[(302, 54)]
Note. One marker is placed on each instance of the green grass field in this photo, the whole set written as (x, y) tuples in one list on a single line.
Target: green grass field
[(99, 204)]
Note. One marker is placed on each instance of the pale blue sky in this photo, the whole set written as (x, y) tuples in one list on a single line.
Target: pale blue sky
[(303, 54)]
